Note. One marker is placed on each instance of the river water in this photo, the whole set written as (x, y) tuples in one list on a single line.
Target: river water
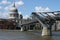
[(33, 35)]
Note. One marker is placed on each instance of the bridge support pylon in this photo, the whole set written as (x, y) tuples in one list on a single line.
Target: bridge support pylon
[(46, 31), (22, 28)]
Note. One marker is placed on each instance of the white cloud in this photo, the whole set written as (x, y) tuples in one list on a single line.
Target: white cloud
[(4, 15), (19, 3), (41, 9), (6, 8), (47, 9), (0, 7), (5, 2), (26, 16), (19, 12)]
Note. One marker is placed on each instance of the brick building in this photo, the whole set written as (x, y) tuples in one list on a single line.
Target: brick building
[(5, 24)]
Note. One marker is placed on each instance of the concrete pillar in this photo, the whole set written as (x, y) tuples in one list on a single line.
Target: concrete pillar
[(22, 28), (45, 31)]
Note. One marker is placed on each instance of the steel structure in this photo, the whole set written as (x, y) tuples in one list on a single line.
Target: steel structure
[(47, 19)]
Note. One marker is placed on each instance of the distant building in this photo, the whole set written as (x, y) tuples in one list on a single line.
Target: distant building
[(7, 24), (12, 22)]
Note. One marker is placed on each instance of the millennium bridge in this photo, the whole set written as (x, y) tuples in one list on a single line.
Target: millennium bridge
[(46, 19)]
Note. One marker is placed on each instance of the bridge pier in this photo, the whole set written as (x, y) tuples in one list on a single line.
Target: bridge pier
[(46, 31), (22, 28)]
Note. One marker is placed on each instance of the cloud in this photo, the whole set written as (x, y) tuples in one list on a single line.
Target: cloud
[(4, 15), (6, 8), (5, 2), (41, 9), (19, 12), (19, 3), (47, 9), (0, 7), (26, 16)]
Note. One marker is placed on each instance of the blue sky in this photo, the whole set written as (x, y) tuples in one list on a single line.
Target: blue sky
[(26, 7)]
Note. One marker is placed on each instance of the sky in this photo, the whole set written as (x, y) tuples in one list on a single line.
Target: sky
[(26, 7)]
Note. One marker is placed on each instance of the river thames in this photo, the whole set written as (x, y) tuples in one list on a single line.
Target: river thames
[(28, 35)]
